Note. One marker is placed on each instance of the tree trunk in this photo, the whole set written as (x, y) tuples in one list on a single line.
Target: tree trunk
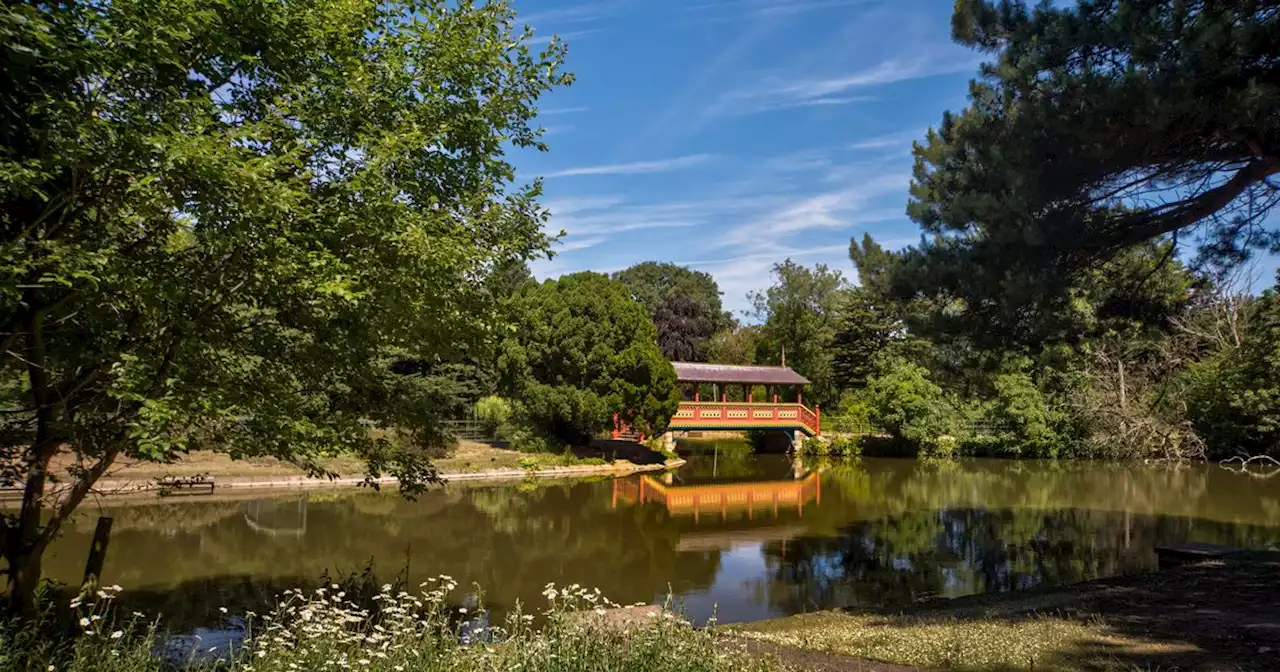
[(24, 582), (24, 547)]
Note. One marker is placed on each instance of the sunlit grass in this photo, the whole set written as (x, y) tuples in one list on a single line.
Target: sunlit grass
[(1039, 642), (395, 630)]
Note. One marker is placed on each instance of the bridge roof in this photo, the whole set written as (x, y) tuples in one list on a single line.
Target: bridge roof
[(691, 372)]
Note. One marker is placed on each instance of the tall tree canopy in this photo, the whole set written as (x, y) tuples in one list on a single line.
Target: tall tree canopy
[(583, 350), (801, 312), (224, 221), (685, 323), (1093, 129), (735, 345)]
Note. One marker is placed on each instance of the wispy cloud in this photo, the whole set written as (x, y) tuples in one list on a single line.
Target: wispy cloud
[(562, 110), (574, 244), (736, 10), (846, 208), (564, 37), (738, 276), (782, 92), (582, 13), (634, 168)]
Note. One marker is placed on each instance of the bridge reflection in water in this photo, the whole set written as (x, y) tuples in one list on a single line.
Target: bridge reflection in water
[(721, 497)]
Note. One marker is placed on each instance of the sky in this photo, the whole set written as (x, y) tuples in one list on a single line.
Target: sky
[(729, 135)]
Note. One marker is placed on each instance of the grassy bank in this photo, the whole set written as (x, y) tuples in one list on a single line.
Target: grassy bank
[(1210, 616), (391, 631)]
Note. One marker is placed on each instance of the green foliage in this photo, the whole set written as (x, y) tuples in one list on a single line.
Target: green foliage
[(685, 306), (224, 222), (801, 313), (1087, 135), (582, 351), (868, 327), (834, 446), (493, 411), (1234, 395), (734, 345), (570, 415), (1026, 424), (913, 408)]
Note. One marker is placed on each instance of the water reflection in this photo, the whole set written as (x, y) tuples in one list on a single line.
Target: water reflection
[(757, 536)]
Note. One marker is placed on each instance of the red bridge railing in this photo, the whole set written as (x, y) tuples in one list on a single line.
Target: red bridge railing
[(746, 415)]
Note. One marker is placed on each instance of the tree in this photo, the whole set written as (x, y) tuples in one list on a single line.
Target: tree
[(735, 345), (684, 304), (905, 402), (1094, 129), (223, 223), (583, 350), (684, 326), (1234, 393), (801, 312), (868, 327)]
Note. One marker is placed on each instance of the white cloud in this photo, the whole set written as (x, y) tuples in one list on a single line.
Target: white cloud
[(735, 10), (564, 37), (562, 110), (634, 168), (570, 244), (846, 208), (738, 276), (583, 13), (782, 92)]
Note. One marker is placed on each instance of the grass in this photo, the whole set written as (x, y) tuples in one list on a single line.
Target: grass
[(392, 631), (1037, 642)]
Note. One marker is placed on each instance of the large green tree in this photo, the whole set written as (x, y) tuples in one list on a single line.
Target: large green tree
[(735, 345), (584, 350), (801, 312), (1092, 129), (685, 306), (224, 222)]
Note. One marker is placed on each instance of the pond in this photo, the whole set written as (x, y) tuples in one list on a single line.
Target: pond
[(747, 536)]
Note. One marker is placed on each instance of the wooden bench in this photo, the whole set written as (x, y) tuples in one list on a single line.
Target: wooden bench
[(190, 485)]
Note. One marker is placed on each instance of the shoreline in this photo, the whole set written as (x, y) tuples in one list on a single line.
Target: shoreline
[(119, 487)]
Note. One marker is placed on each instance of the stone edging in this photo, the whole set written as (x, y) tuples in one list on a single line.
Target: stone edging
[(620, 468)]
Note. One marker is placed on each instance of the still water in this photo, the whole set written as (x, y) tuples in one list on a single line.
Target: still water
[(748, 536)]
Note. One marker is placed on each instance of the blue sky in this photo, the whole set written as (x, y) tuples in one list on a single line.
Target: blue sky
[(728, 135)]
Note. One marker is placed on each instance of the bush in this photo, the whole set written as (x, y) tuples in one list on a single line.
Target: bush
[(563, 414), (836, 446), (913, 408), (493, 411)]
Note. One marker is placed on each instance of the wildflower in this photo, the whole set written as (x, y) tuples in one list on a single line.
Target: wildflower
[(117, 634), (363, 661), (222, 610), (84, 622), (462, 610), (115, 587)]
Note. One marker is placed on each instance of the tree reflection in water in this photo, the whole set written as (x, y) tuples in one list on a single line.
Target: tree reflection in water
[(886, 532)]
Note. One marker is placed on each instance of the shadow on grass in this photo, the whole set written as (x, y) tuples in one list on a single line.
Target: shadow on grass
[(1215, 616)]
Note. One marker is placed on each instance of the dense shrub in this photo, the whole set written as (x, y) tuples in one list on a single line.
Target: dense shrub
[(913, 408)]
